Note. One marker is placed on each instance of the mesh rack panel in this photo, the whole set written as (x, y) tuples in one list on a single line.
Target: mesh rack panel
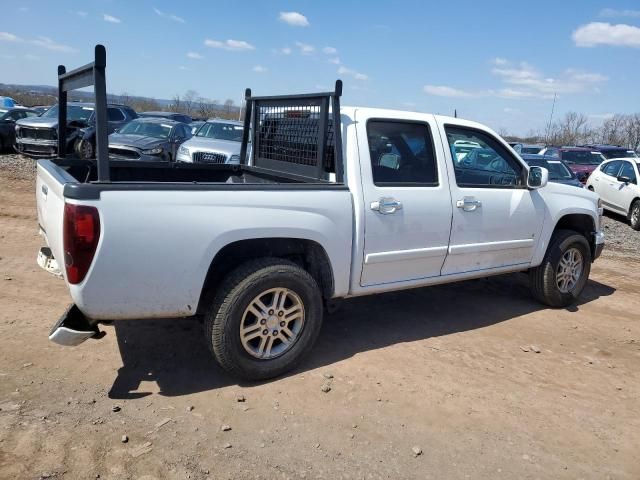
[(295, 135)]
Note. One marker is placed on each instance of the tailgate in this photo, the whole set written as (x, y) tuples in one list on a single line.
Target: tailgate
[(50, 184)]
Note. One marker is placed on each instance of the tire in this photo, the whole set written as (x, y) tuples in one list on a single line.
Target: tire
[(544, 280), (230, 311), (85, 150), (634, 215)]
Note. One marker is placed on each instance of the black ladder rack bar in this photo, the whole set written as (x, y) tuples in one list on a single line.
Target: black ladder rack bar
[(91, 74)]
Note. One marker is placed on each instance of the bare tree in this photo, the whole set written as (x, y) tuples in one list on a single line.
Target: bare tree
[(189, 101)]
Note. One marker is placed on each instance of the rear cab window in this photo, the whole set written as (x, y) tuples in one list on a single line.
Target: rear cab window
[(402, 153)]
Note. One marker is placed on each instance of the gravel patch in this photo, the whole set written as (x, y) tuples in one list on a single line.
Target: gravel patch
[(620, 239), (19, 167)]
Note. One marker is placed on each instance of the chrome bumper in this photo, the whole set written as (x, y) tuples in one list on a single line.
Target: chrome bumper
[(73, 328)]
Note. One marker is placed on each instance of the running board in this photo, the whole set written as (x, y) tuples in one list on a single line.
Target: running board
[(73, 328)]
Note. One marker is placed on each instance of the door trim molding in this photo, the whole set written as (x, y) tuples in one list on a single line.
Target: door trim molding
[(490, 246), (404, 255)]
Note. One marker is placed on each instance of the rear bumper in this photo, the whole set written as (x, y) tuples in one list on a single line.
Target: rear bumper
[(73, 328)]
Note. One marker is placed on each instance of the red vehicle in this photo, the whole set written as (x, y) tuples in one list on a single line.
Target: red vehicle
[(581, 160)]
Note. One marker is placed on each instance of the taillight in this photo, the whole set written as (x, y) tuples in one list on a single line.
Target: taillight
[(81, 232)]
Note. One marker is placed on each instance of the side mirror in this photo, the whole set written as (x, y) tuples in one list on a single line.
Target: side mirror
[(538, 177), (623, 179)]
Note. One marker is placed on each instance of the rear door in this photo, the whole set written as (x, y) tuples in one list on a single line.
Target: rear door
[(624, 192), (407, 203), (496, 219), (606, 184)]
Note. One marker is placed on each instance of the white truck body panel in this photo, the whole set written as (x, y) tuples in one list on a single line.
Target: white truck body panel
[(156, 246)]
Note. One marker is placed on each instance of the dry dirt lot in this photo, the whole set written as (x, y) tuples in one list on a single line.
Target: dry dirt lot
[(452, 370)]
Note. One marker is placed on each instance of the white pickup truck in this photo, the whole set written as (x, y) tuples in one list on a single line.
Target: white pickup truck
[(328, 203)]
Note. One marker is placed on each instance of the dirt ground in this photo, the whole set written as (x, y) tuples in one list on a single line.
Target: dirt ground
[(452, 370)]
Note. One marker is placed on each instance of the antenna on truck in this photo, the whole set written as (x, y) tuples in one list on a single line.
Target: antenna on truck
[(91, 74)]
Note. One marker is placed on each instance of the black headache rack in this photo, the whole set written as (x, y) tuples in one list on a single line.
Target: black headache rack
[(294, 137), (92, 74), (298, 135)]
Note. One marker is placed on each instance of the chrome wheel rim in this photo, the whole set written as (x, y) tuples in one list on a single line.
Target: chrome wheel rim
[(87, 150), (635, 214), (272, 323), (569, 270)]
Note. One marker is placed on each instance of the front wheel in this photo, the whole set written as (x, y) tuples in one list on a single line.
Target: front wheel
[(265, 317), (634, 215), (563, 274), (85, 150)]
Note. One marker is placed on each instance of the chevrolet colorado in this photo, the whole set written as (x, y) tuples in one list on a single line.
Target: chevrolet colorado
[(326, 203)]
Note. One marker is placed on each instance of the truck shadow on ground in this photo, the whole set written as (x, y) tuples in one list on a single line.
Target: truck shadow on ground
[(173, 352)]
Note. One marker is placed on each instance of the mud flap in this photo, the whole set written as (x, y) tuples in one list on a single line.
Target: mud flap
[(73, 328)]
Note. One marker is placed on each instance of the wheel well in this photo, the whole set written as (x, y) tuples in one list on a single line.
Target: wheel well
[(581, 223), (308, 254)]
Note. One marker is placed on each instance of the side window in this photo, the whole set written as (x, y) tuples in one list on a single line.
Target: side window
[(31, 114), (115, 115), (611, 168), (487, 164), (402, 153), (628, 171), (16, 115)]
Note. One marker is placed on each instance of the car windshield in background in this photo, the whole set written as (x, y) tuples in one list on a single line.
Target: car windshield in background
[(583, 158), (3, 113), (74, 113), (557, 171), (530, 150), (619, 154), (221, 131), (147, 129)]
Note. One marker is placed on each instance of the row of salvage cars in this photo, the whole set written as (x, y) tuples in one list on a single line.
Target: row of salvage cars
[(146, 136)]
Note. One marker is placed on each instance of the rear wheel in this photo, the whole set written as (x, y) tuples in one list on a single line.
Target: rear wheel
[(560, 279), (266, 316), (634, 215), (85, 149)]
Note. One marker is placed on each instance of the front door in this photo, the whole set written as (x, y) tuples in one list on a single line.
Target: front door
[(496, 219), (407, 205)]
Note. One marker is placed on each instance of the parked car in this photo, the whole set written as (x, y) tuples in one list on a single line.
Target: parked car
[(195, 125), (7, 102), (38, 136), (559, 172), (149, 139), (40, 108), (178, 117), (613, 151), (616, 181), (353, 202), (531, 149), (8, 118), (217, 141), (582, 161)]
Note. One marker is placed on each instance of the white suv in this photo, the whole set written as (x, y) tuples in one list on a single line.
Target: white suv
[(616, 181)]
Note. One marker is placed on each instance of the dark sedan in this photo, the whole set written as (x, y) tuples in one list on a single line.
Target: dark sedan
[(178, 117), (558, 171), (8, 117), (148, 139)]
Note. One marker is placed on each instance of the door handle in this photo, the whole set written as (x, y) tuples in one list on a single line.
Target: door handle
[(386, 206), (468, 204)]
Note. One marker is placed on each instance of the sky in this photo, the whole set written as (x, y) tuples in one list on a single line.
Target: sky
[(496, 62)]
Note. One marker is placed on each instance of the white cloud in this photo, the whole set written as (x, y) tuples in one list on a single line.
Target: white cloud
[(233, 45), (259, 69), (111, 18), (294, 18), (49, 44), (601, 116), (170, 16), (330, 50), (194, 55), (9, 37), (444, 91), (499, 61), (335, 61), (305, 49), (81, 13), (602, 33), (286, 51), (611, 12), (352, 73)]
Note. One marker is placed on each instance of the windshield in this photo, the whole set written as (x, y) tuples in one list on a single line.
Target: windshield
[(74, 113), (557, 171), (148, 129), (583, 157), (221, 131), (619, 154), (531, 150)]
